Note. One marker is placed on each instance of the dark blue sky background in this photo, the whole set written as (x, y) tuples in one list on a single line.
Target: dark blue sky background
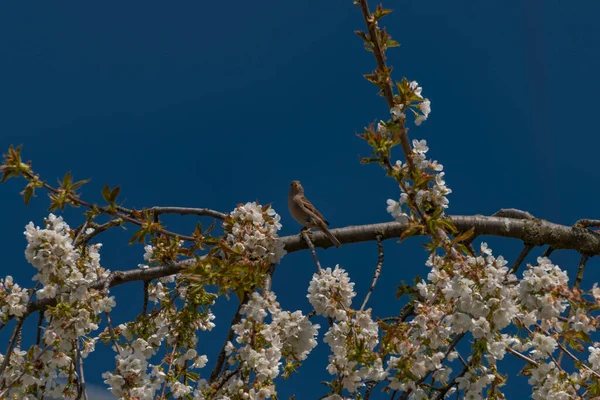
[(210, 104)]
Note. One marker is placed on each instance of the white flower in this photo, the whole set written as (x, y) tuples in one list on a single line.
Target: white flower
[(414, 86), (381, 128), (420, 146), (596, 292), (425, 107), (594, 357), (544, 346), (397, 113), (200, 362)]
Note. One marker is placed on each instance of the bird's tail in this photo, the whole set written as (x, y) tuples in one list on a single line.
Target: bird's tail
[(331, 237)]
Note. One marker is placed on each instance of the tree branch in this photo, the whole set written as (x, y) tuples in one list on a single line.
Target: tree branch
[(382, 68), (11, 345), (537, 232), (377, 272), (205, 212), (524, 253), (222, 354), (311, 247)]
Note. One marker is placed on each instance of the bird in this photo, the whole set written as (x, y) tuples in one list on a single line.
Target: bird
[(305, 213)]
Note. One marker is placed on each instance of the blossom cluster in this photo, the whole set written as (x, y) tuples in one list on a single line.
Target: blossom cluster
[(13, 299), (479, 296), (410, 95), (261, 347), (429, 195), (65, 273), (252, 230), (135, 377), (170, 328), (168, 325), (353, 335)]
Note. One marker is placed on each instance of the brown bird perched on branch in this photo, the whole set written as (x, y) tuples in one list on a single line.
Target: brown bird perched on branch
[(305, 213)]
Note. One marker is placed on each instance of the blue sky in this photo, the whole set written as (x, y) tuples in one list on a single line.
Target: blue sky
[(209, 104)]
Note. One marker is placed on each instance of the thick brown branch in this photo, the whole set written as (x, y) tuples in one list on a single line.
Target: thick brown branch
[(536, 232)]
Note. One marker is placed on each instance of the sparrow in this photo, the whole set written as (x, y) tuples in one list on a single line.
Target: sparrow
[(305, 213)]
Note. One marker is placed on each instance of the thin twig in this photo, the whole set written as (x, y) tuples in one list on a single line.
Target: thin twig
[(124, 213), (446, 388), (81, 391), (311, 246), (407, 311), (386, 87), (162, 395), (370, 386), (40, 325), (574, 358), (548, 251), (377, 272), (521, 356), (98, 229), (268, 279), (450, 348), (524, 253), (222, 354), (580, 270), (576, 285), (11, 345), (563, 349), (206, 212), (226, 377), (112, 332), (80, 232), (146, 295)]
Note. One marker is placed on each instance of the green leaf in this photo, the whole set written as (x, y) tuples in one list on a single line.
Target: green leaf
[(362, 35), (465, 235), (369, 160), (77, 185), (391, 43), (449, 225), (384, 12), (404, 289), (66, 182), (27, 193), (210, 228), (115, 192), (106, 193)]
